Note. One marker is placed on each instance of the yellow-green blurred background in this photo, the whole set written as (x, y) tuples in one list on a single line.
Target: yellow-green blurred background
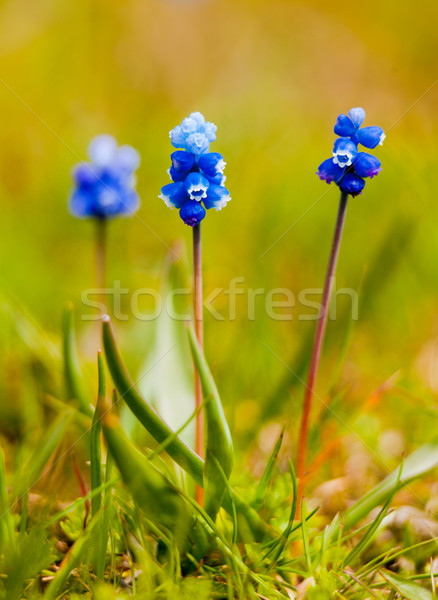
[(273, 76)]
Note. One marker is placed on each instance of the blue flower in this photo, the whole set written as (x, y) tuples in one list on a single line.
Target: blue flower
[(349, 167), (105, 187), (192, 212), (344, 152), (352, 184), (197, 174)]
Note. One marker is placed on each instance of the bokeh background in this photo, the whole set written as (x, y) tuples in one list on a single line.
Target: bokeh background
[(273, 75)]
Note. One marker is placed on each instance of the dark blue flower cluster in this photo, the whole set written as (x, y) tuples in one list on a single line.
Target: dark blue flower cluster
[(348, 167), (197, 174), (105, 187)]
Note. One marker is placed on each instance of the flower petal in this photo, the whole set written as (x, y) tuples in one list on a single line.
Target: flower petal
[(344, 152), (370, 137), (127, 158), (217, 197), (177, 137), (199, 118), (85, 175), (218, 179), (367, 165), (344, 126), (196, 186), (329, 171), (188, 126), (210, 131), (192, 212), (211, 163), (197, 143), (357, 116), (79, 204), (182, 161), (102, 150), (352, 184), (173, 194)]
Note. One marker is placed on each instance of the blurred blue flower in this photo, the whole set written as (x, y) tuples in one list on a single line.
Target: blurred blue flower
[(348, 166), (105, 187), (196, 173), (194, 134)]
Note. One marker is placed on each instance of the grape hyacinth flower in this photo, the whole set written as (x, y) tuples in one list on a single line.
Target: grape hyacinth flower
[(348, 167), (104, 188), (196, 173)]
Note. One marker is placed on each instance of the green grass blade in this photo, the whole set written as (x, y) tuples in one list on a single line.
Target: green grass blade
[(95, 444), (74, 557), (267, 474), (370, 532), (160, 500), (417, 464), (7, 534), (32, 469), (305, 536), (278, 548), (219, 446), (72, 368), (107, 509), (406, 589)]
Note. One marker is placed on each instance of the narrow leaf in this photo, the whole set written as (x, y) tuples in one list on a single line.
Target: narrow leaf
[(95, 444), (219, 446), (144, 412), (406, 589), (72, 368), (417, 464), (266, 477)]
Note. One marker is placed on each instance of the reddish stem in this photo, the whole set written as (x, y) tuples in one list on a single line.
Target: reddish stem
[(198, 315), (317, 345)]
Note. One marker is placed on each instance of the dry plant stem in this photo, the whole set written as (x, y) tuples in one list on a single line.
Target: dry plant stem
[(317, 345), (101, 258), (197, 311)]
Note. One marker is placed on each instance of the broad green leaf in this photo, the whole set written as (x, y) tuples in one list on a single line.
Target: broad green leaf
[(153, 423), (219, 446), (148, 417)]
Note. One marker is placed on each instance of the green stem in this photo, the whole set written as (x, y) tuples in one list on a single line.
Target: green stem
[(101, 235)]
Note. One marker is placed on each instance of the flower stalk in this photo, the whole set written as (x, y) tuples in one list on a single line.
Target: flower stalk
[(317, 345), (101, 238)]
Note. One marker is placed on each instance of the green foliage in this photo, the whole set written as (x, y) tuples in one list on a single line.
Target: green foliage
[(72, 369)]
